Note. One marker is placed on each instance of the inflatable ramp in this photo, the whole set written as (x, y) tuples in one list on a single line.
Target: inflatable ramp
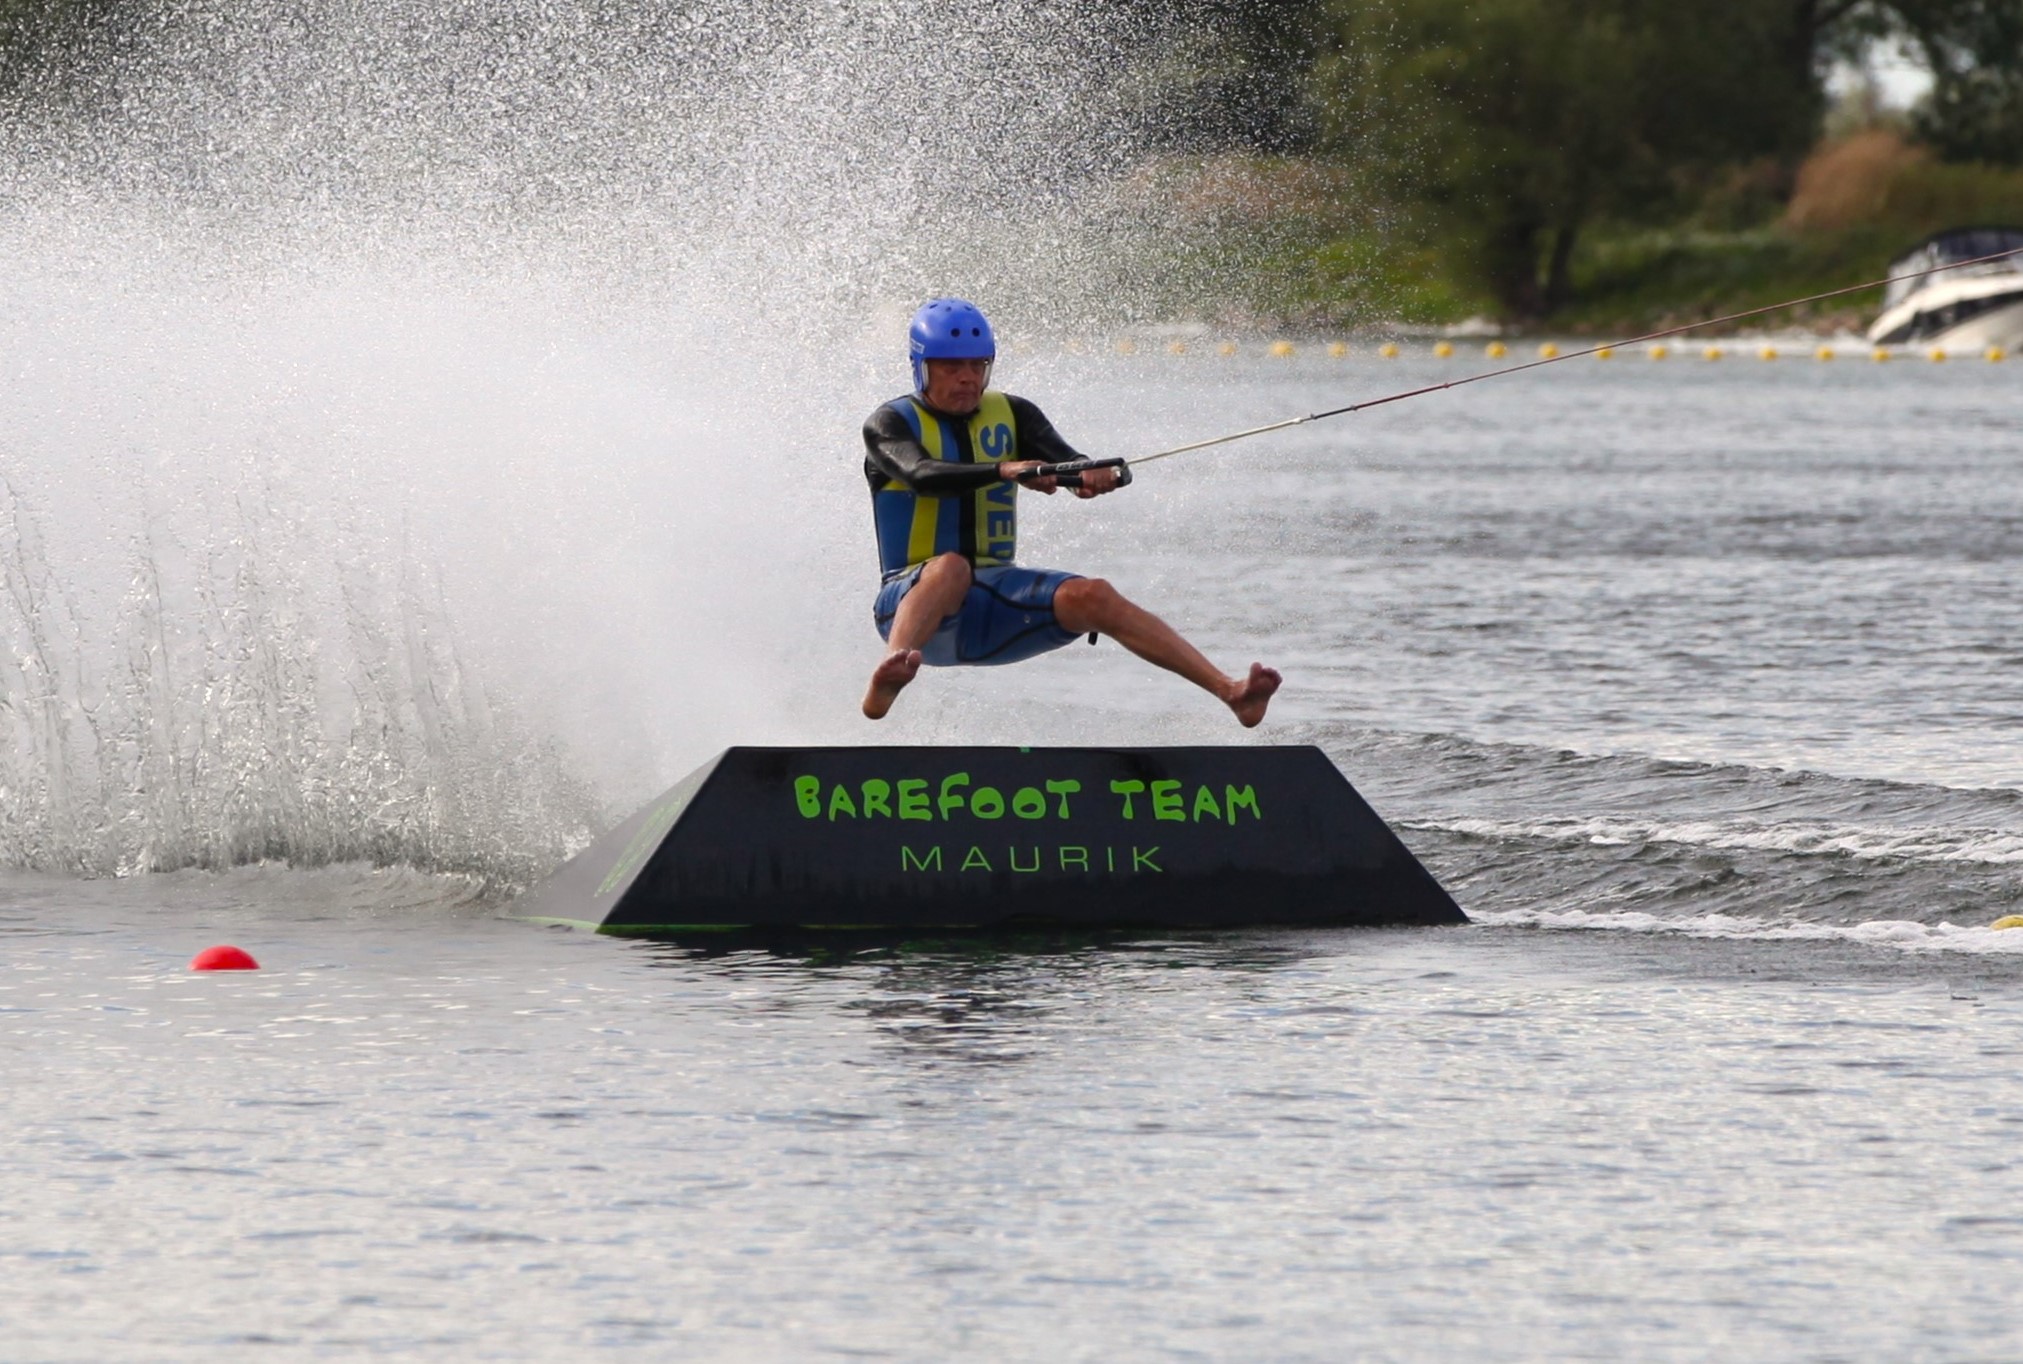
[(840, 839)]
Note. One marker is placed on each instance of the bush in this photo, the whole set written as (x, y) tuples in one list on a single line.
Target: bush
[(1875, 180)]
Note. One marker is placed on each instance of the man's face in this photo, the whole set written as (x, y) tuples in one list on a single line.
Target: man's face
[(956, 386)]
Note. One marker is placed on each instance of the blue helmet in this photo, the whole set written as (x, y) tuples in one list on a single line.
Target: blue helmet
[(948, 329)]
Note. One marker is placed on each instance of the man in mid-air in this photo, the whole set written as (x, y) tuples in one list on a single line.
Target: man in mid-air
[(945, 464)]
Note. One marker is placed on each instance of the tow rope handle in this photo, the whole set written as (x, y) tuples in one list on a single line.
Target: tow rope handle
[(1070, 472)]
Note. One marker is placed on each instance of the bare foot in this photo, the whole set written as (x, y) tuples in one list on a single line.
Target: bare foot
[(900, 666), (1247, 698)]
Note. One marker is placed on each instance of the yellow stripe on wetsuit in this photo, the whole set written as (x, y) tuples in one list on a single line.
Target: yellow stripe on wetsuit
[(926, 510), (993, 439)]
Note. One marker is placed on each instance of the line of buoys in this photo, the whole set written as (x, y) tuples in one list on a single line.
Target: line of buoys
[(1548, 350), (1549, 355)]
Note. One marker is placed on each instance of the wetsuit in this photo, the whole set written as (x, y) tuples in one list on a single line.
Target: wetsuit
[(935, 490)]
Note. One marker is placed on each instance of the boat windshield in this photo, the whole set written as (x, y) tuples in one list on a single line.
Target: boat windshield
[(1908, 271)]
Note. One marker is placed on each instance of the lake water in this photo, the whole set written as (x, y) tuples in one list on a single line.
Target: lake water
[(1696, 684)]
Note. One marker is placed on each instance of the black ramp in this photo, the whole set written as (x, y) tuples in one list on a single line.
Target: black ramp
[(971, 838)]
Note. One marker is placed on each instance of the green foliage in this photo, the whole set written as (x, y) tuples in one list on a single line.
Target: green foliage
[(1974, 49), (1629, 280), (1931, 197), (1873, 179), (1605, 162), (1638, 281), (1348, 280), (1504, 127)]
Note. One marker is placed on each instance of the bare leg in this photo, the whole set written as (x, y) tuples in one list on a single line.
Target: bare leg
[(1090, 604), (942, 586)]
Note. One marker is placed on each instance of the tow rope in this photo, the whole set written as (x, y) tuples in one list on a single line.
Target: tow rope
[(1078, 465)]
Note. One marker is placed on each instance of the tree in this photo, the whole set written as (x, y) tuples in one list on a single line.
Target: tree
[(1974, 49), (1510, 125)]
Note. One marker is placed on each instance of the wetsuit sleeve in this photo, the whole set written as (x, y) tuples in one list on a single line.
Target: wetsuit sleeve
[(891, 451), (1037, 437)]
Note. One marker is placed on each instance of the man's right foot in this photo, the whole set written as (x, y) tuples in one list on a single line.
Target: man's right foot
[(890, 678), (1249, 697)]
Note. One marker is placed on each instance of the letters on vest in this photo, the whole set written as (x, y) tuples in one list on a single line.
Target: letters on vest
[(914, 527)]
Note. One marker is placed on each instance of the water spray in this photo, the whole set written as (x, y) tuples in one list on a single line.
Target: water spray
[(366, 372), (1529, 364)]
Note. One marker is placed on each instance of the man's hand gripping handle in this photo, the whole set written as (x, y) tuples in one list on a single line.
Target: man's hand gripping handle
[(1070, 472)]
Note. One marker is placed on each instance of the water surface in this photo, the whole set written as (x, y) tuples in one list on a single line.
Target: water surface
[(1695, 684)]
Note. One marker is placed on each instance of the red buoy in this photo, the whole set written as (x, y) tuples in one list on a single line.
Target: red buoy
[(223, 957)]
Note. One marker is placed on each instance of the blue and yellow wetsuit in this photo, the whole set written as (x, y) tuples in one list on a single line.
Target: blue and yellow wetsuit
[(935, 490)]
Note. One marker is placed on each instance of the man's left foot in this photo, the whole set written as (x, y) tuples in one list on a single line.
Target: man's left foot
[(890, 678), (1249, 697)]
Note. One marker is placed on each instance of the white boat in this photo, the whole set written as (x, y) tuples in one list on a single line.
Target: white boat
[(1961, 309)]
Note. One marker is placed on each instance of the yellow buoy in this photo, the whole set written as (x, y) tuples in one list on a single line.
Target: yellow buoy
[(1938, 353), (1997, 354), (1712, 352), (1281, 349), (1127, 346), (2008, 921), (1660, 352), (1338, 349), (1606, 353), (1226, 348), (1548, 351), (1879, 354), (1443, 350), (1823, 353), (1389, 350), (1176, 348), (1767, 353), (1496, 350)]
